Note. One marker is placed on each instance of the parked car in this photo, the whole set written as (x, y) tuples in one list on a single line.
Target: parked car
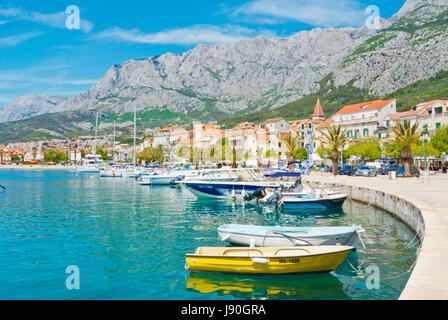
[(376, 165), (388, 168), (414, 171), (366, 172), (347, 170)]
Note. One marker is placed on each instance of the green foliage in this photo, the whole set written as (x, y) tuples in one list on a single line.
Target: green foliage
[(55, 156), (150, 154), (366, 150), (101, 151), (331, 97), (418, 149), (323, 152), (433, 88), (440, 140), (393, 150), (271, 154), (301, 154), (15, 158), (372, 44)]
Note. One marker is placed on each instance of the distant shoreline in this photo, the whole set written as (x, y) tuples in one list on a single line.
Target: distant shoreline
[(37, 168)]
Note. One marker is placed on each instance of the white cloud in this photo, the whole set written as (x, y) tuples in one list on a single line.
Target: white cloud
[(56, 20), (207, 34), (322, 13), (17, 39)]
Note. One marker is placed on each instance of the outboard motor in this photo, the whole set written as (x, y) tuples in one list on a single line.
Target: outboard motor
[(259, 194), (272, 197)]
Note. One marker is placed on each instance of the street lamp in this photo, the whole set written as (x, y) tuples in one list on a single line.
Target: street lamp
[(425, 136)]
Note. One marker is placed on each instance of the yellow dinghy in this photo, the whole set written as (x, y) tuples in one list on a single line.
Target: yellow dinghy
[(264, 260)]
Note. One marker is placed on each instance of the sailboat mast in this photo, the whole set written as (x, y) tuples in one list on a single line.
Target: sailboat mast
[(96, 134), (113, 152), (135, 136)]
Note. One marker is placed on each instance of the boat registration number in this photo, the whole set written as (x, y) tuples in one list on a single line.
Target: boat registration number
[(289, 260)]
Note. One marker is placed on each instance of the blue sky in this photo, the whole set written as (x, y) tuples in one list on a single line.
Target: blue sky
[(40, 55)]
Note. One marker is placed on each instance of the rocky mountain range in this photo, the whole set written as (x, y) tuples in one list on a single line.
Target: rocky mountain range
[(255, 74)]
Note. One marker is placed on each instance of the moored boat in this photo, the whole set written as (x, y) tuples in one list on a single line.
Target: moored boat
[(313, 201), (267, 260), (276, 236)]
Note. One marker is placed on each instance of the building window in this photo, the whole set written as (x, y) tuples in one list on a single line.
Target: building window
[(366, 132), (379, 135), (279, 145), (356, 133), (438, 124)]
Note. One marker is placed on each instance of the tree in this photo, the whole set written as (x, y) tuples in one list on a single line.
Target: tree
[(405, 135), (323, 152), (334, 138), (291, 144), (418, 149), (393, 150), (101, 151), (150, 154), (366, 149), (54, 155), (301, 154), (440, 140), (234, 157)]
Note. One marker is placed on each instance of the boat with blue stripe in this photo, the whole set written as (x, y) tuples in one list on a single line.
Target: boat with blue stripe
[(312, 201), (226, 190)]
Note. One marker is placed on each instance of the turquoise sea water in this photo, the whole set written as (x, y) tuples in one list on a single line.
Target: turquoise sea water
[(129, 242)]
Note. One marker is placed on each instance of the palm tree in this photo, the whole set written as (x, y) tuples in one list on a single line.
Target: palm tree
[(291, 143), (405, 135), (334, 139)]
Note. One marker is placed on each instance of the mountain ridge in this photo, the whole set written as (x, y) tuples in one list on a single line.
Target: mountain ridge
[(259, 75)]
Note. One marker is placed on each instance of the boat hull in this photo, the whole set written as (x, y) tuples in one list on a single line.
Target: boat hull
[(224, 190), (88, 170), (157, 180), (335, 201), (260, 236), (290, 261)]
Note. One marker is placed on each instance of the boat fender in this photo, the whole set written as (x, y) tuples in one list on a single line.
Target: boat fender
[(252, 243), (260, 260)]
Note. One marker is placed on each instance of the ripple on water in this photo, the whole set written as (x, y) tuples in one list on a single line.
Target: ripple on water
[(129, 242)]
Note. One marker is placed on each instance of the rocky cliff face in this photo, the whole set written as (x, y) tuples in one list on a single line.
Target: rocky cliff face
[(267, 72), (413, 48), (31, 105), (252, 73)]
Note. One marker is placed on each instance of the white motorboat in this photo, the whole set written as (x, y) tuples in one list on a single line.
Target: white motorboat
[(91, 164), (275, 236)]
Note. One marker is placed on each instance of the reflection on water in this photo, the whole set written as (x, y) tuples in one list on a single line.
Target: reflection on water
[(130, 241), (296, 287)]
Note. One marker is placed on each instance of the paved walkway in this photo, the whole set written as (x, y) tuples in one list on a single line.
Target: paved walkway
[(429, 280)]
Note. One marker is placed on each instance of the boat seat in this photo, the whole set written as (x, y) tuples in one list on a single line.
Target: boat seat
[(291, 252), (243, 252)]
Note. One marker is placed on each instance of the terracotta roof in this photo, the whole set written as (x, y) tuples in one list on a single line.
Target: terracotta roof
[(272, 120), (2, 146), (421, 110), (13, 150), (318, 111), (371, 105), (325, 124)]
